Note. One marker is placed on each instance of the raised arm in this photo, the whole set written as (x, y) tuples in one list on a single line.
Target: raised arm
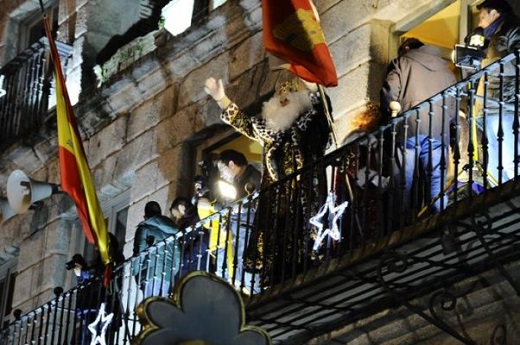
[(231, 113), (215, 89)]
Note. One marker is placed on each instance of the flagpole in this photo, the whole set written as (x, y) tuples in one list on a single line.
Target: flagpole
[(330, 120)]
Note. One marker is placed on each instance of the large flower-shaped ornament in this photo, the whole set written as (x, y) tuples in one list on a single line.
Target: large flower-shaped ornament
[(204, 310)]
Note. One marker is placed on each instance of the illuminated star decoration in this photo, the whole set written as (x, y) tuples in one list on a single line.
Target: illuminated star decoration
[(104, 321), (2, 90), (332, 229)]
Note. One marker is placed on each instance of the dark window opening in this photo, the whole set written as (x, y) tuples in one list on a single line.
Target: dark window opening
[(6, 297), (33, 30), (149, 17)]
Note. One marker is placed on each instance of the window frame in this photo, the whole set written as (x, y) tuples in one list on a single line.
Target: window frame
[(8, 275), (110, 210), (33, 21)]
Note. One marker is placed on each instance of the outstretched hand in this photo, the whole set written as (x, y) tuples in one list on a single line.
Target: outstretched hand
[(215, 89)]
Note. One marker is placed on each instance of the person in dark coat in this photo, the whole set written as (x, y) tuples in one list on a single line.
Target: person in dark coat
[(234, 168), (502, 31), (415, 76), (156, 230), (91, 293), (294, 131)]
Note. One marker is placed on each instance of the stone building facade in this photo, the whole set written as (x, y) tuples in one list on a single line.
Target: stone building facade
[(145, 118)]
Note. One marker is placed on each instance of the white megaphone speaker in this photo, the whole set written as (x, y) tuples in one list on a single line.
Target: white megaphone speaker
[(22, 191), (6, 211)]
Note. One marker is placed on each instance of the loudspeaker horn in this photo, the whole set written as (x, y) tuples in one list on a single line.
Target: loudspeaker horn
[(6, 211), (22, 191)]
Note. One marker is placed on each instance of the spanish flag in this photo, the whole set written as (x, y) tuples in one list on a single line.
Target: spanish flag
[(76, 179), (292, 33)]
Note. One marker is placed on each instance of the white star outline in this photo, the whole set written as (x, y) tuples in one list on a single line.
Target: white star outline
[(335, 212), (105, 322)]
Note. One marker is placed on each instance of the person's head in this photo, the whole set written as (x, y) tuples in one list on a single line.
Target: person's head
[(409, 44), (198, 182), (152, 209), (179, 207), (79, 260), (491, 10), (283, 90), (231, 163), (291, 99)]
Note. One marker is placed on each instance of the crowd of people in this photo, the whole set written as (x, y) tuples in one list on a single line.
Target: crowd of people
[(423, 139), (259, 243), (294, 131), (254, 245)]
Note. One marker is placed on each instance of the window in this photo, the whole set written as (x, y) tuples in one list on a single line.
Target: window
[(250, 148), (7, 280), (181, 14), (31, 29), (444, 28), (236, 141), (116, 213)]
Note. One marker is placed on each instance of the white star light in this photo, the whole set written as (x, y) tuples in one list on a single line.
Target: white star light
[(2, 91), (335, 212), (104, 321)]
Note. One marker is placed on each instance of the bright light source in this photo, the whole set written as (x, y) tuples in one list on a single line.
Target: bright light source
[(227, 190), (217, 3), (177, 15), (2, 91)]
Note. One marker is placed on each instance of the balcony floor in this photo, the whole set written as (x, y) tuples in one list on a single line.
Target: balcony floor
[(416, 262)]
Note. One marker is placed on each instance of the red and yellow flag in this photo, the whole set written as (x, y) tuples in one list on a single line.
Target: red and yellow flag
[(76, 179), (292, 33)]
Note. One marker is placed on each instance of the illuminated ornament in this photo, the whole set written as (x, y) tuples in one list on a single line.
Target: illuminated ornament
[(331, 228), (204, 309), (101, 322), (2, 91)]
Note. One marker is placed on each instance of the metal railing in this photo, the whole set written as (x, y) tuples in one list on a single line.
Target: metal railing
[(342, 205), (26, 87)]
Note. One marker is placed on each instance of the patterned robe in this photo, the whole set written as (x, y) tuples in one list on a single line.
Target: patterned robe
[(280, 242)]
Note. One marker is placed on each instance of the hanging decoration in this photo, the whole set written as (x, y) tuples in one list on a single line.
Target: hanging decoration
[(329, 226), (2, 90), (100, 324)]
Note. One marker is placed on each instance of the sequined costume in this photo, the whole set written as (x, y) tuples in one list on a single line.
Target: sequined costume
[(280, 240)]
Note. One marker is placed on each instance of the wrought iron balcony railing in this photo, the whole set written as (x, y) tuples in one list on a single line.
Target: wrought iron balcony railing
[(25, 90), (346, 205)]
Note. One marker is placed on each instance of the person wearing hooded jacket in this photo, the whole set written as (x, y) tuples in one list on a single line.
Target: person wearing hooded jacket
[(416, 75), (501, 30), (164, 258)]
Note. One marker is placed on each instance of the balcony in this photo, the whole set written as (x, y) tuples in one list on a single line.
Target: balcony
[(367, 253), (25, 90)]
